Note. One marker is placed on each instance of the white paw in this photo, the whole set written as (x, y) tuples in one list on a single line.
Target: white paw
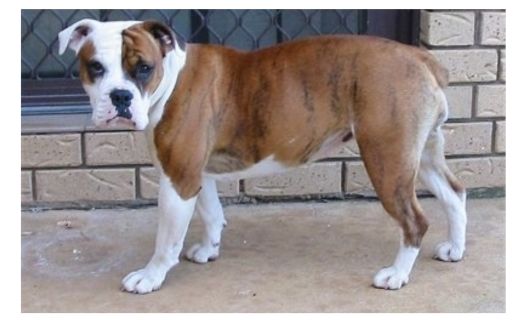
[(448, 252), (201, 254), (390, 278), (143, 281)]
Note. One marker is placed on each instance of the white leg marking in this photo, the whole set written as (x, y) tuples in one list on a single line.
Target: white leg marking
[(174, 217), (211, 212), (432, 174), (397, 275)]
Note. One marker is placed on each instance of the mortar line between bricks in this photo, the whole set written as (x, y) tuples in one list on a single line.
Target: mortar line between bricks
[(470, 83), (478, 25), (477, 193), (474, 102), (463, 47), (241, 184), (33, 185), (52, 131), (343, 178), (499, 64), (330, 159), (493, 136), (476, 156), (102, 167), (137, 181), (83, 149), (477, 119)]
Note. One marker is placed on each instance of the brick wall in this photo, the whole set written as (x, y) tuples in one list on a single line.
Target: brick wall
[(471, 44), (95, 168)]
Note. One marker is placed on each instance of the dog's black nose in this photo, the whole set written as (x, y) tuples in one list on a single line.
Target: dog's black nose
[(121, 98)]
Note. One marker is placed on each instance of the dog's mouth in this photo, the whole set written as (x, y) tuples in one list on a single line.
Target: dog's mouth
[(119, 120)]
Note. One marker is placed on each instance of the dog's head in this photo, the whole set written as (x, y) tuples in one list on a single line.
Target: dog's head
[(121, 66)]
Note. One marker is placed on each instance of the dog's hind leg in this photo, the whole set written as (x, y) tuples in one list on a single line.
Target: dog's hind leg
[(391, 132), (211, 212), (392, 162), (439, 180)]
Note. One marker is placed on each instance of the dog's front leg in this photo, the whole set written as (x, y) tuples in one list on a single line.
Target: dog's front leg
[(174, 217)]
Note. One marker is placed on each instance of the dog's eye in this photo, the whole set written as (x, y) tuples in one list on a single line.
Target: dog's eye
[(143, 71), (96, 68)]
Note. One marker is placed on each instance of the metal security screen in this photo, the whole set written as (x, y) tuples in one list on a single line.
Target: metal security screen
[(50, 82)]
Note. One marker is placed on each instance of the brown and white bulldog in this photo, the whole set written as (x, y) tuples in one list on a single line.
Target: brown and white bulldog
[(212, 112)]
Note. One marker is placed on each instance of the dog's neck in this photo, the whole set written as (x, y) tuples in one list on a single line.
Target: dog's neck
[(173, 63)]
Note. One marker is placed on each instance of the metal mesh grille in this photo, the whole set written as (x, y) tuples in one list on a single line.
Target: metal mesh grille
[(243, 29)]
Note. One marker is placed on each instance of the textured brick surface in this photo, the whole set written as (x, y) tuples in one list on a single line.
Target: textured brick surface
[(447, 28), (480, 172), (500, 136), (459, 99), (85, 185), (473, 172), (51, 150), (228, 188), (26, 186), (349, 150), (357, 180), (493, 28), (469, 65), (116, 148), (318, 178), (467, 138), (149, 185), (491, 100)]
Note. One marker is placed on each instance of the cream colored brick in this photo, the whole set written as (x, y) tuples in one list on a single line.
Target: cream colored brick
[(228, 188), (500, 136), (459, 99), (26, 189), (357, 180), (469, 65), (116, 148), (349, 150), (467, 138), (480, 172), (491, 100), (51, 150), (493, 28), (149, 179), (473, 172), (317, 178), (502, 68), (85, 185), (447, 28)]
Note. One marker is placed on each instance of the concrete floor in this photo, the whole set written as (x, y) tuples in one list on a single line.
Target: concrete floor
[(289, 257)]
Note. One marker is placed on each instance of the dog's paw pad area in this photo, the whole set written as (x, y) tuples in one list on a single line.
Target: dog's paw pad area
[(390, 278), (448, 252), (201, 254)]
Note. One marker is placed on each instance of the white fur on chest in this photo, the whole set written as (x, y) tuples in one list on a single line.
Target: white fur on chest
[(265, 167), (270, 166)]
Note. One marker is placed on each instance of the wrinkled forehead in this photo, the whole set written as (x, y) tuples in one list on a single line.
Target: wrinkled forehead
[(107, 38)]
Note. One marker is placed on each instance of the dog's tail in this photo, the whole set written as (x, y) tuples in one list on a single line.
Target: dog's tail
[(439, 72)]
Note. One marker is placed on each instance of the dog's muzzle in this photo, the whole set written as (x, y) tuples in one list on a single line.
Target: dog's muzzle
[(121, 99)]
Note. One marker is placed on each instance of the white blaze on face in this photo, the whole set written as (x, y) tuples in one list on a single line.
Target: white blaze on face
[(107, 43)]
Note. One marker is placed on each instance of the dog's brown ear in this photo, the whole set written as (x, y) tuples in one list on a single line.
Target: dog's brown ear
[(164, 35), (75, 35)]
